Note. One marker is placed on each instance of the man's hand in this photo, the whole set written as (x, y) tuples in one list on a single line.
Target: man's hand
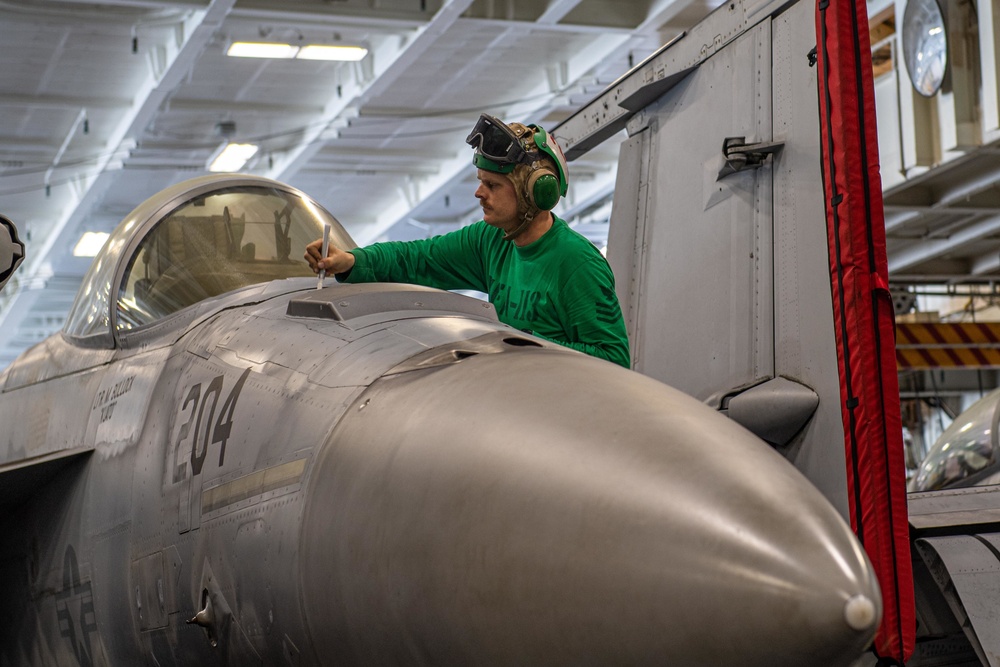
[(336, 261)]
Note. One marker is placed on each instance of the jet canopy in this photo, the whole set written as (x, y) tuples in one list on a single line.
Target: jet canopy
[(965, 450), (197, 240)]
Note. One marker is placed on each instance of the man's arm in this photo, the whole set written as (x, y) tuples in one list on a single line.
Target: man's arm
[(449, 261)]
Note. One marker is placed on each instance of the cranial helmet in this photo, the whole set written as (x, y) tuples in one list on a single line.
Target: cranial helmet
[(527, 155)]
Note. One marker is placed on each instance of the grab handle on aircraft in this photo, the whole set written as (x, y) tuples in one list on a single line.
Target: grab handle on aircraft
[(741, 156)]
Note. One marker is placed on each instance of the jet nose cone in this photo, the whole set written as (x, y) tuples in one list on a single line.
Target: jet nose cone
[(546, 508), (861, 613)]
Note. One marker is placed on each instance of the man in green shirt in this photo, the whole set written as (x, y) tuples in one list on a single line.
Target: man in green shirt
[(541, 276)]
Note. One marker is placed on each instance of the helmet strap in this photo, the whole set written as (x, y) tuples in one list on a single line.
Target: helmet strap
[(529, 215)]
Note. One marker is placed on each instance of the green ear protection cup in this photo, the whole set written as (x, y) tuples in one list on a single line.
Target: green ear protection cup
[(543, 189)]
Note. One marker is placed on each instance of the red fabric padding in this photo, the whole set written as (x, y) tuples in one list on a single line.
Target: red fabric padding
[(863, 314)]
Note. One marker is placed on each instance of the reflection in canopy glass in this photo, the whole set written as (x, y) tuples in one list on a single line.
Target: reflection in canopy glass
[(196, 240), (965, 451), (215, 244)]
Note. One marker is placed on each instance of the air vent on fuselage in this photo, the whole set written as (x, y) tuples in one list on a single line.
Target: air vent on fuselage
[(344, 303), (454, 352)]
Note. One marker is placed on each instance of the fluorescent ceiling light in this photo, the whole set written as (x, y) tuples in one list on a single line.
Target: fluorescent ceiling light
[(90, 244), (320, 52), (262, 50), (307, 52), (233, 157)]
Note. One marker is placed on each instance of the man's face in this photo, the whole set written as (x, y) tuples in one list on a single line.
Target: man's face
[(499, 200)]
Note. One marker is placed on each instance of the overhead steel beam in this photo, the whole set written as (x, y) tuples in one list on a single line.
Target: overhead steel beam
[(925, 251), (389, 155), (968, 188), (64, 14), (418, 158), (60, 102), (212, 106), (353, 168), (948, 211), (145, 4), (665, 10), (917, 190), (573, 28), (389, 113), (985, 264), (556, 10), (897, 217), (587, 195), (344, 14), (21, 145), (381, 22)]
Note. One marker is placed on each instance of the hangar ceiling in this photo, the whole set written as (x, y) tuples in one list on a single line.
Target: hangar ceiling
[(103, 104)]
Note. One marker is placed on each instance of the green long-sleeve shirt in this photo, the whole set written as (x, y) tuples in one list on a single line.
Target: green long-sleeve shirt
[(559, 287)]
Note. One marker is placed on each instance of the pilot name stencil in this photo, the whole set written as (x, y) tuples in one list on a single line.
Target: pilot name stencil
[(107, 398), (119, 407)]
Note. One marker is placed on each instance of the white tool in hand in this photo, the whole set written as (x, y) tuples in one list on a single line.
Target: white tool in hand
[(326, 248)]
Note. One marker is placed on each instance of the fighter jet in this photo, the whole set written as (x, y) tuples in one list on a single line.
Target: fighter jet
[(217, 463), (965, 454)]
